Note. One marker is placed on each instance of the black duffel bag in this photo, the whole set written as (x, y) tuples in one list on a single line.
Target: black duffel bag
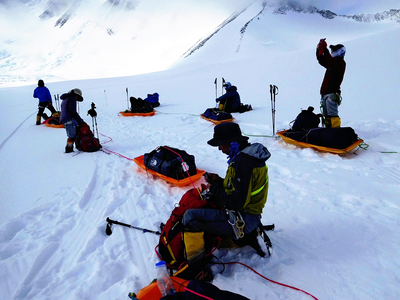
[(338, 138), (171, 162)]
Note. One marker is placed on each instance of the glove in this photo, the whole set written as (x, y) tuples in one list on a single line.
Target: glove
[(212, 178), (321, 46)]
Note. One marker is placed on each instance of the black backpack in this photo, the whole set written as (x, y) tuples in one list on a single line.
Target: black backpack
[(171, 162), (138, 105), (85, 139), (306, 120)]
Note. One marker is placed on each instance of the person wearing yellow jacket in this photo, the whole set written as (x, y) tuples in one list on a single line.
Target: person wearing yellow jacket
[(239, 198)]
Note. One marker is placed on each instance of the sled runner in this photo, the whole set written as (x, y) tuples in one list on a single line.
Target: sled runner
[(131, 114), (181, 182), (284, 135)]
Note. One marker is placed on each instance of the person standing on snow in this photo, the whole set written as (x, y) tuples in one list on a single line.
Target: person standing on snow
[(70, 117), (242, 194), (330, 88), (230, 101), (44, 96)]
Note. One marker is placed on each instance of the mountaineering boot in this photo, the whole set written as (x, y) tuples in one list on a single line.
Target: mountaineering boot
[(70, 145), (335, 122), (328, 122), (38, 120), (69, 149), (258, 240)]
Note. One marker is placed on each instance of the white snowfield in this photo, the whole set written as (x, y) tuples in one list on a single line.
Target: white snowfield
[(336, 217)]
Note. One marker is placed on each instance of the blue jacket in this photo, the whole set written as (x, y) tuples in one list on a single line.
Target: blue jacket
[(68, 109), (230, 100), (42, 93)]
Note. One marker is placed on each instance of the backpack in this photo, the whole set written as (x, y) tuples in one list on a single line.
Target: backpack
[(306, 120), (171, 245), (140, 106), (153, 99), (214, 114), (85, 140), (171, 162)]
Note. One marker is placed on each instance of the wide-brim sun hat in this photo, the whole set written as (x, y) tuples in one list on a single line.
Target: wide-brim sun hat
[(225, 133)]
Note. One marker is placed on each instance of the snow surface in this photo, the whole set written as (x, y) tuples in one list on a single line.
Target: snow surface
[(337, 217)]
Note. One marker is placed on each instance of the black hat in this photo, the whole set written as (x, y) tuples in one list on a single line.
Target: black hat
[(225, 133)]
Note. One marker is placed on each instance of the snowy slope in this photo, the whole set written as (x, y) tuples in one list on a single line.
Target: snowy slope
[(336, 218)]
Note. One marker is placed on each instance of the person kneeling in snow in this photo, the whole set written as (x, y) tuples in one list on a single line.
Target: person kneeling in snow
[(70, 117), (230, 101), (242, 195)]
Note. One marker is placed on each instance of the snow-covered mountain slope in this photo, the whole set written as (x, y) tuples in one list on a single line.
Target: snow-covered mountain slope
[(336, 218)]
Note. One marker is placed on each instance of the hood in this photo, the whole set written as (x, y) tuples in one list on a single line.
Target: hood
[(258, 151)]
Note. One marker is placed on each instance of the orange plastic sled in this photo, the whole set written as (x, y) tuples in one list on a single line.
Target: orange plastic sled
[(318, 148), (46, 122), (186, 181), (152, 292), (131, 114), (216, 122)]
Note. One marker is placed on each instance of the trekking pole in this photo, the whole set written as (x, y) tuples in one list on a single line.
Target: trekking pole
[(105, 96), (56, 103), (110, 223), (215, 83), (222, 89), (127, 98), (273, 89)]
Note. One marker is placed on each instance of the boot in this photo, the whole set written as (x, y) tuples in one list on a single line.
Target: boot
[(38, 118), (253, 239), (70, 145), (335, 122), (328, 122)]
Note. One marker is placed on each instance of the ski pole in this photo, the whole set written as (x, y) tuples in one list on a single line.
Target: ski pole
[(223, 82), (112, 222), (273, 89), (105, 96), (215, 83), (127, 98)]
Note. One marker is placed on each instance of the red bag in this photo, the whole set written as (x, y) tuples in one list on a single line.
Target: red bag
[(171, 246), (85, 140)]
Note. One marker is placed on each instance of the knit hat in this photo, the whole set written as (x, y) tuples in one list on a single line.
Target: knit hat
[(338, 50), (41, 83), (227, 85), (225, 133)]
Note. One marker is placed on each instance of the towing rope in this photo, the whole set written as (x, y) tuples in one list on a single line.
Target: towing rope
[(273, 281)]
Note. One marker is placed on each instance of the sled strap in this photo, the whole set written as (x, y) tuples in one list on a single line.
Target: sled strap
[(261, 188)]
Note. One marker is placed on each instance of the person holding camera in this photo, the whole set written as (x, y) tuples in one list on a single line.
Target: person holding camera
[(330, 88)]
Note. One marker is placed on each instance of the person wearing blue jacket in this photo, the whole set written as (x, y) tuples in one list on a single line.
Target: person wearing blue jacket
[(230, 101), (44, 96), (70, 117)]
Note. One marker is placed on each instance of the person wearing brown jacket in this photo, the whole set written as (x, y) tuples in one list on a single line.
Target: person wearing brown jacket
[(330, 88)]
